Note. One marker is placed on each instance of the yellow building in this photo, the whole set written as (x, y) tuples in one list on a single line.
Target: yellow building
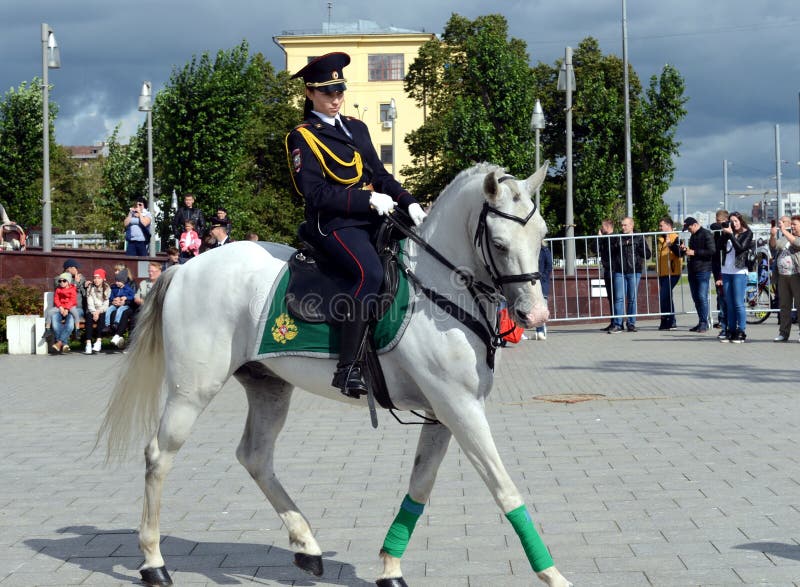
[(379, 61)]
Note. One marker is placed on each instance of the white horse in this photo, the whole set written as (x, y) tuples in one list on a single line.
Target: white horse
[(484, 223)]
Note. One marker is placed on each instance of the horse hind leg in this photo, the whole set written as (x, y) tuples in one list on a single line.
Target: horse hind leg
[(268, 398), (180, 414)]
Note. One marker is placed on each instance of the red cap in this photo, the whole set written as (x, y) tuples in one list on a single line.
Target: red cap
[(100, 272)]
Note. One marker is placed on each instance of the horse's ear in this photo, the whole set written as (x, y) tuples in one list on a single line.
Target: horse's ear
[(537, 179), (490, 186)]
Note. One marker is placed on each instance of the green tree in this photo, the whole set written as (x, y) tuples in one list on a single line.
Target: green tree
[(21, 151), (201, 117), (476, 86), (269, 206), (598, 138), (477, 91)]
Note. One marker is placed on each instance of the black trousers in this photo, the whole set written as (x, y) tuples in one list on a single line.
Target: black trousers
[(353, 249)]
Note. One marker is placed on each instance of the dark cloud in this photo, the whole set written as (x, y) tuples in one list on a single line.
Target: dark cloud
[(738, 59)]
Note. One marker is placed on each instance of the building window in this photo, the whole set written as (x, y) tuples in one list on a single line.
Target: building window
[(386, 67), (385, 112), (386, 154)]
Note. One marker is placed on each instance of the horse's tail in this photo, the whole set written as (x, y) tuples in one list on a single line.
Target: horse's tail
[(133, 408)]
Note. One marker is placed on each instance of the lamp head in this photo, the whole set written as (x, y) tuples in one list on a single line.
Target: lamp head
[(537, 119), (53, 52), (145, 98)]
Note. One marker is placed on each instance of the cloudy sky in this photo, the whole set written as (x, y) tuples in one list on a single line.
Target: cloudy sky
[(740, 60)]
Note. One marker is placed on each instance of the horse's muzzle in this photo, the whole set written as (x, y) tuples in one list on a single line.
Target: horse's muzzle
[(536, 317)]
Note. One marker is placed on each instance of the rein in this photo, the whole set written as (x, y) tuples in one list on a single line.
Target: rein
[(488, 330)]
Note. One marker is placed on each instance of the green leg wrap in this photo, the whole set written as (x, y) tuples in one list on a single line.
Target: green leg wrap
[(534, 548), (401, 529)]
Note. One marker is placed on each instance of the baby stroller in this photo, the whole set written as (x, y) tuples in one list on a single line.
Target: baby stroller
[(12, 237), (758, 294)]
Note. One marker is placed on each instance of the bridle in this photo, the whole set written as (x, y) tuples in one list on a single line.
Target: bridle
[(484, 237), (487, 329)]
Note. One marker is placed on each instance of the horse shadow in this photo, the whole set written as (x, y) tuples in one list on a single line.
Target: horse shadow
[(773, 549), (223, 563)]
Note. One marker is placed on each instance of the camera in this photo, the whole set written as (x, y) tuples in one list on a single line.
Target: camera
[(725, 224)]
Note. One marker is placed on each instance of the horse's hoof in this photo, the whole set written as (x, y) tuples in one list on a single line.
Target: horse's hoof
[(394, 582), (309, 563), (156, 577)]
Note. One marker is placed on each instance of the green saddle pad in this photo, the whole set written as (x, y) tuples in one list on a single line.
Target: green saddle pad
[(284, 334)]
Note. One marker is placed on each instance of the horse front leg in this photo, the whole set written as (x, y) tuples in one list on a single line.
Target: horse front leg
[(431, 448), (468, 423), (268, 404)]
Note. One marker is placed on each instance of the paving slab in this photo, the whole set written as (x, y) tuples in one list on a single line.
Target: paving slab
[(681, 470)]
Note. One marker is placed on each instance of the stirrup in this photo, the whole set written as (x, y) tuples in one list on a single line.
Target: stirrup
[(350, 380)]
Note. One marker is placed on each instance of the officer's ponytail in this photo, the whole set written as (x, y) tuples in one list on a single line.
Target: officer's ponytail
[(307, 108)]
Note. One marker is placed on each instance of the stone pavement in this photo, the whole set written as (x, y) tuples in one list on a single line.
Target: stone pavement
[(683, 472)]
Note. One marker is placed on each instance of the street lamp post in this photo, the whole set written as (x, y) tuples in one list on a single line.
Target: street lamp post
[(146, 105), (566, 83), (392, 114), (537, 125), (626, 84), (51, 59), (780, 203), (725, 184)]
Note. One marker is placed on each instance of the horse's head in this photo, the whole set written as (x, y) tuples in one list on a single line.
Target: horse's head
[(509, 242)]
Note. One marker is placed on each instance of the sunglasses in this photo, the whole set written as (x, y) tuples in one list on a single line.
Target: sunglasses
[(63, 281)]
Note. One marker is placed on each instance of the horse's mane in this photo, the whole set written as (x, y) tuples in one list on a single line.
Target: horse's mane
[(455, 186)]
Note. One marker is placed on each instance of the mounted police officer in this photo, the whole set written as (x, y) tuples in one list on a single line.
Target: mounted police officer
[(335, 168)]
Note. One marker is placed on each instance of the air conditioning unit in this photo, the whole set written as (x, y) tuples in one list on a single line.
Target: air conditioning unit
[(387, 124)]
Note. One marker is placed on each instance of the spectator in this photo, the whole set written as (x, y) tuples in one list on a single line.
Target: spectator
[(787, 263), (153, 273), (64, 299), (251, 236), (716, 270), (628, 254), (121, 267), (189, 242), (735, 245), (700, 250), (137, 229), (98, 295), (222, 214), (668, 266), (604, 251), (545, 271), (173, 258), (118, 314), (188, 212), (70, 266), (218, 230)]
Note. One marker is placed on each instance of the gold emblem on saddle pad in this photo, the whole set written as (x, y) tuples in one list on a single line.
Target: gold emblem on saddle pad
[(284, 329)]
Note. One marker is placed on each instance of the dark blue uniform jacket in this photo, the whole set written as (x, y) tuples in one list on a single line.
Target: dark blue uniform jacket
[(335, 196)]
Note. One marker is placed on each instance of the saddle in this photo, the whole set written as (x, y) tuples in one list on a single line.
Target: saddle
[(314, 294), (315, 286)]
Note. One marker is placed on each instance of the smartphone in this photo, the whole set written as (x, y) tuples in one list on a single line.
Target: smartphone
[(772, 223)]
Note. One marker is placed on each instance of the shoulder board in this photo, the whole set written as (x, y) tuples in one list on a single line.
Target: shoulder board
[(301, 125)]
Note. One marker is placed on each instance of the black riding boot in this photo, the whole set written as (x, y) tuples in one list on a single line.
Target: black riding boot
[(348, 377)]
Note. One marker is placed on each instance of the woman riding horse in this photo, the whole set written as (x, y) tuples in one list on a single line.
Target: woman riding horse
[(334, 166)]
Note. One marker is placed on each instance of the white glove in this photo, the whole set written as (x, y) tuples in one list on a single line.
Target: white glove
[(381, 203), (416, 213)]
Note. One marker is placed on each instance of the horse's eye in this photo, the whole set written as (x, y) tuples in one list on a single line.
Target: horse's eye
[(499, 245)]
